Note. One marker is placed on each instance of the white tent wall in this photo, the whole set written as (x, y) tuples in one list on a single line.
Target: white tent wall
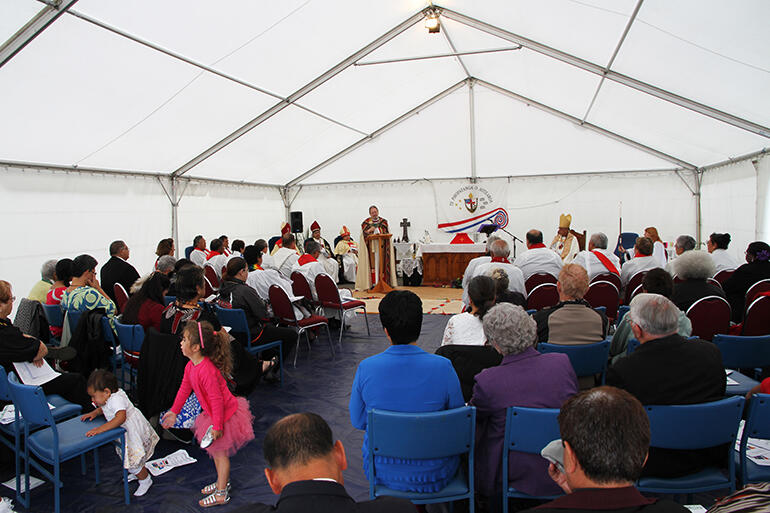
[(729, 204), (658, 199), (762, 167)]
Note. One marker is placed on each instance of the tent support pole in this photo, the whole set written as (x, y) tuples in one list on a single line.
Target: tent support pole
[(33, 28), (472, 117), (174, 197), (698, 175)]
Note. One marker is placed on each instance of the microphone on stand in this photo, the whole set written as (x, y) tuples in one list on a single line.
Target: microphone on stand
[(488, 229)]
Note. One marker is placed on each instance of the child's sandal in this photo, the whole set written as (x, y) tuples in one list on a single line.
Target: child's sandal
[(218, 498), (209, 489)]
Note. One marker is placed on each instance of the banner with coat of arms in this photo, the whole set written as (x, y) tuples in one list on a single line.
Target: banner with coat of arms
[(466, 208)]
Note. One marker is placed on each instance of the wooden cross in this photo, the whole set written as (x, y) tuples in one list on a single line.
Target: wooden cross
[(405, 223)]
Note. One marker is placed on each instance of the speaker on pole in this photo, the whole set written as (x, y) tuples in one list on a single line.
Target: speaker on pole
[(296, 222)]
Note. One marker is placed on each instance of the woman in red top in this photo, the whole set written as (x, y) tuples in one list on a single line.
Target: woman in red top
[(146, 306), (62, 276)]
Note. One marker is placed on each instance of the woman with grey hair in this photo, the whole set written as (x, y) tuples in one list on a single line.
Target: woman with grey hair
[(694, 268), (527, 378), (41, 288)]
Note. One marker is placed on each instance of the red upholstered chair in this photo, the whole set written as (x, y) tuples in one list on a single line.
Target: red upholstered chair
[(722, 276), (604, 293), (714, 282), (544, 295), (121, 296), (329, 297), (538, 279), (634, 286), (211, 275), (284, 312), (610, 277), (756, 289), (710, 316), (677, 279), (757, 320), (301, 287), (208, 288)]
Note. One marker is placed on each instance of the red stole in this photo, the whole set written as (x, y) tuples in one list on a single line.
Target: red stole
[(501, 259), (538, 245), (641, 256), (606, 262), (306, 259), (212, 254)]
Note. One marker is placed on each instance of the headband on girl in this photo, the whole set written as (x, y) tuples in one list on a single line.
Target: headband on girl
[(200, 334)]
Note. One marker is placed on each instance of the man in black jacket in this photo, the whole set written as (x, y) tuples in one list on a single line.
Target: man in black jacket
[(305, 468), (670, 369), (118, 270)]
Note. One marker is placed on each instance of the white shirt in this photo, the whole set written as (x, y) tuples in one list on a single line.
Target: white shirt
[(635, 265), (723, 260), (591, 263), (217, 262), (469, 274), (539, 260), (515, 277), (659, 253), (464, 329), (284, 260), (268, 262), (262, 280), (310, 270), (234, 254), (198, 257)]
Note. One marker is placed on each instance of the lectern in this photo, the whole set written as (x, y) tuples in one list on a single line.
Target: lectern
[(382, 240)]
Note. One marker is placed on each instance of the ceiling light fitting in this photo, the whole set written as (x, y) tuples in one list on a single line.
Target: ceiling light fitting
[(432, 22)]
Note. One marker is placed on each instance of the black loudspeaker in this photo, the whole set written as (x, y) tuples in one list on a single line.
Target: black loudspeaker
[(296, 222)]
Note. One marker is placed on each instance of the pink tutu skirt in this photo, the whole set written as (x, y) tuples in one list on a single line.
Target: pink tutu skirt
[(238, 430)]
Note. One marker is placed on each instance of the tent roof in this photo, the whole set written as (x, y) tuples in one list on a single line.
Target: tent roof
[(302, 91)]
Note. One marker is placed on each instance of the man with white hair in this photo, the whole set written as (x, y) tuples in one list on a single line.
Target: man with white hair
[(538, 258), (471, 268), (669, 369), (694, 268), (598, 259), (683, 243), (499, 252), (41, 288)]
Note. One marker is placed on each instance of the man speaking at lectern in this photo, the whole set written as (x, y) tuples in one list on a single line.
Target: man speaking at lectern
[(368, 268)]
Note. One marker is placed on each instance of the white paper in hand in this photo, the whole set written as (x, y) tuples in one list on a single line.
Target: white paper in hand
[(29, 374)]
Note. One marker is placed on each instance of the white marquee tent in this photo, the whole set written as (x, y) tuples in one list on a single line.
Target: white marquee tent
[(142, 120)]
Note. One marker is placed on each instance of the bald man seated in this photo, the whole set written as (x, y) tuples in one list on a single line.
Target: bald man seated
[(305, 469)]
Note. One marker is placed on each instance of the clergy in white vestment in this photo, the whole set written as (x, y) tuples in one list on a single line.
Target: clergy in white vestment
[(597, 259), (499, 252), (471, 268), (683, 243), (268, 262), (199, 253), (237, 249), (538, 258), (565, 244), (286, 256), (309, 266), (717, 246), (349, 251), (216, 259), (326, 257), (642, 261), (260, 279)]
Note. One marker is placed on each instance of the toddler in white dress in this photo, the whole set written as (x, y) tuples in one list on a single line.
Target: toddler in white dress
[(114, 404)]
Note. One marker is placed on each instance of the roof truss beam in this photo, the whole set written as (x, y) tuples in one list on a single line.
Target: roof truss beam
[(590, 126), (302, 91), (609, 74), (33, 28)]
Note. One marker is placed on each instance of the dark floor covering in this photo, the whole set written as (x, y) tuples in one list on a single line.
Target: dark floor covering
[(319, 384)]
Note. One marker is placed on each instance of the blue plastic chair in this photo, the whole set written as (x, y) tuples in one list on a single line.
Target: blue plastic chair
[(743, 352), (187, 251), (601, 309), (56, 443), (586, 359), (55, 318), (622, 310), (527, 430), (438, 434), (131, 337), (695, 426), (633, 345), (235, 319), (73, 318), (757, 426)]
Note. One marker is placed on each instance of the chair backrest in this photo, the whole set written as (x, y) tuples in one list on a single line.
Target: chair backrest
[(529, 429), (73, 317), (757, 319), (31, 403), (634, 283), (610, 277), (709, 315), (130, 336), (121, 296), (696, 426), (208, 288), (543, 296), (622, 310), (107, 333), (722, 276), (54, 315), (187, 251), (604, 293), (300, 286), (756, 289), (586, 359), (281, 305), (235, 319), (741, 352), (758, 419), (627, 241), (5, 391), (413, 435), (211, 275), (714, 282), (538, 279), (328, 293)]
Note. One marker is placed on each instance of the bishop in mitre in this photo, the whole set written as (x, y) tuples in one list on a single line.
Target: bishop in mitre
[(565, 244), (348, 249)]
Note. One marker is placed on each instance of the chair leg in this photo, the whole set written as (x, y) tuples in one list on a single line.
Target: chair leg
[(96, 464), (56, 485), (125, 472), (367, 322), (342, 325), (329, 336), (296, 350)]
